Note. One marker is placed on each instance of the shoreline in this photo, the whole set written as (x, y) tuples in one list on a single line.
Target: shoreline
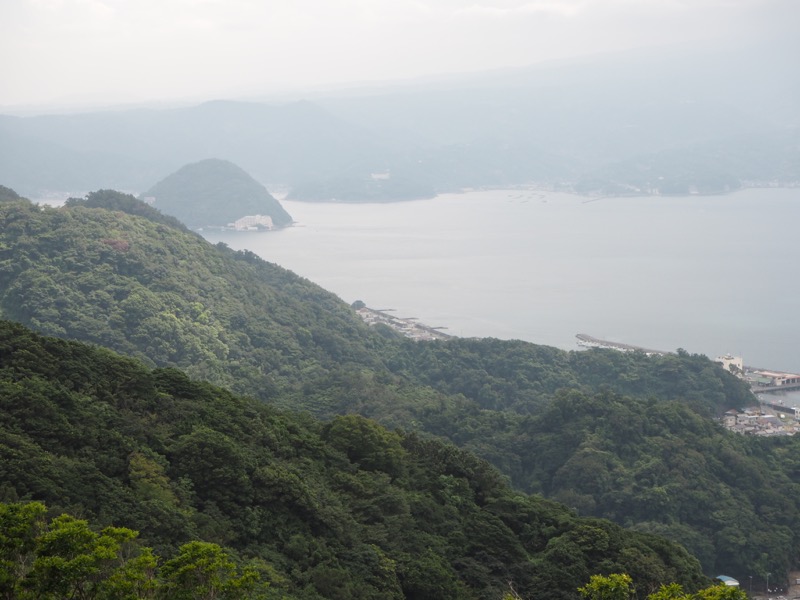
[(408, 327), (565, 189)]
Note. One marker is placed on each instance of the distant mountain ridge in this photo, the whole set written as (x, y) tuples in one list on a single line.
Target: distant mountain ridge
[(214, 192), (663, 122), (133, 149)]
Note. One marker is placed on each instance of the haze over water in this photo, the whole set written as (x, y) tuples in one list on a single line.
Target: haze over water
[(711, 275)]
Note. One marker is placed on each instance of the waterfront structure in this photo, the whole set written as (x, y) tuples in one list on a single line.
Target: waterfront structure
[(587, 341), (252, 222), (766, 378)]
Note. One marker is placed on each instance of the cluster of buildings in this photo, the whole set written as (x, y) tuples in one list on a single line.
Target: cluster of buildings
[(758, 421), (770, 417)]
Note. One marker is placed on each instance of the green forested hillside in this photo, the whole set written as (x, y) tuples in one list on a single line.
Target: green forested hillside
[(111, 271), (153, 290), (660, 467), (633, 441), (522, 377), (8, 195), (343, 509)]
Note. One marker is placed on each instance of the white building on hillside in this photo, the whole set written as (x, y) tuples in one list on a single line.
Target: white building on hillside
[(728, 361)]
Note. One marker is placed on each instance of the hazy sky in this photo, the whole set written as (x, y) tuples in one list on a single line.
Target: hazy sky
[(127, 51)]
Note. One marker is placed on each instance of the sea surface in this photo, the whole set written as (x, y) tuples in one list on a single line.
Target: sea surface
[(709, 274)]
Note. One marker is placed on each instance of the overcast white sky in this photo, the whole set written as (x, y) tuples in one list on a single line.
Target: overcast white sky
[(128, 51)]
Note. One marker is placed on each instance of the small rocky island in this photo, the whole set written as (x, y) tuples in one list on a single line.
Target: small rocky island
[(217, 193)]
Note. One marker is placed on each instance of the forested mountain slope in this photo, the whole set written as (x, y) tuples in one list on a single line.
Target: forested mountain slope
[(657, 466), (343, 509), (112, 271), (515, 375), (149, 288)]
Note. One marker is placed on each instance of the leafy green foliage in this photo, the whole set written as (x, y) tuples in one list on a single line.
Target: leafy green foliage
[(117, 201), (620, 586), (203, 570), (616, 586), (65, 558), (522, 377), (675, 591)]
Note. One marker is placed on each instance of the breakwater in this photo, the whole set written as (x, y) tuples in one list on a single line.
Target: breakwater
[(587, 341)]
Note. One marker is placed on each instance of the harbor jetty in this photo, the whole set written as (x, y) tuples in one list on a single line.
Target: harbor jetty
[(588, 341)]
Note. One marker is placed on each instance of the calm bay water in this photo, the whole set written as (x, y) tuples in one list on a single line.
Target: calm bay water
[(711, 275)]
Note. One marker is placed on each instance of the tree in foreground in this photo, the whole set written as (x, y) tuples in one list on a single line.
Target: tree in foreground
[(619, 586), (66, 559)]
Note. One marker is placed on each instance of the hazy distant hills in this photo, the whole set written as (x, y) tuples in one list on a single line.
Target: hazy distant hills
[(214, 192), (132, 150), (671, 121)]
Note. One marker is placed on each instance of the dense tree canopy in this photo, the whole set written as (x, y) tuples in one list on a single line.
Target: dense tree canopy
[(343, 509), (151, 289)]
